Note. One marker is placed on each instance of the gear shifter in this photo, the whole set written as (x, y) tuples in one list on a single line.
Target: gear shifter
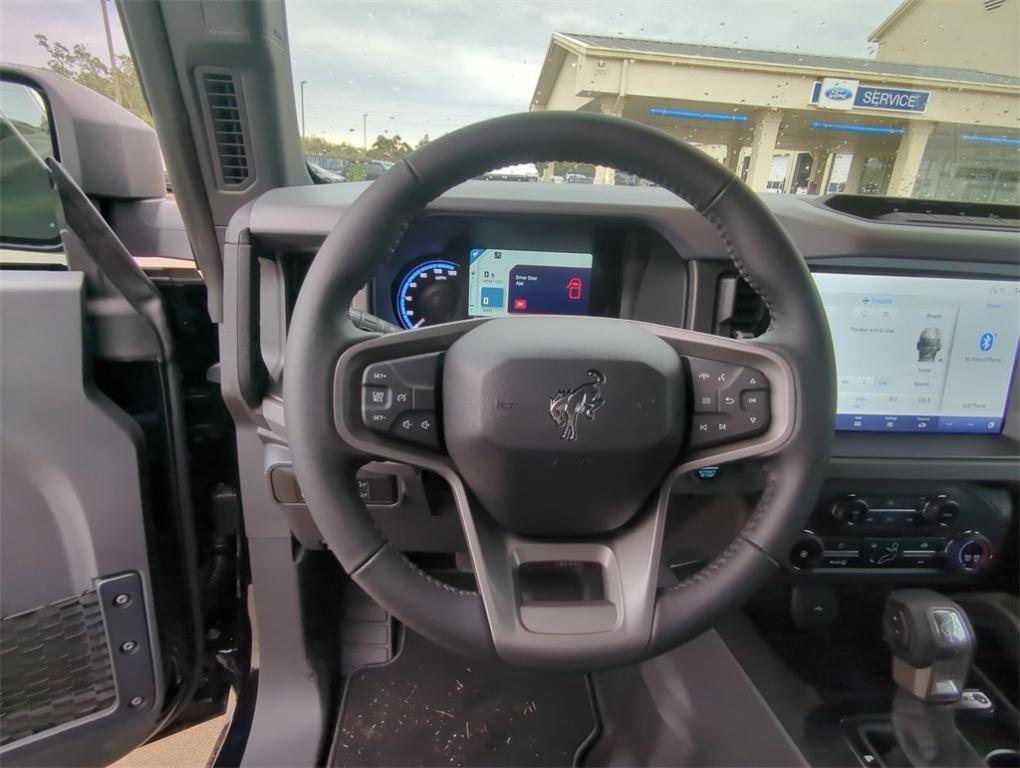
[(932, 643)]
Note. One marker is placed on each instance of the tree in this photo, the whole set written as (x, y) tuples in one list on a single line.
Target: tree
[(385, 148), (81, 65), (320, 145), (424, 140)]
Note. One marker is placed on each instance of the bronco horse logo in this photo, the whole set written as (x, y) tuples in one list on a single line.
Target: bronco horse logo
[(567, 404)]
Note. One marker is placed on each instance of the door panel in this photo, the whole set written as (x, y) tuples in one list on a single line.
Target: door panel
[(78, 678)]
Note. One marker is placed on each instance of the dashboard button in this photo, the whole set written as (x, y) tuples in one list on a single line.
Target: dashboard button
[(377, 420), (748, 424), (378, 373), (836, 561), (418, 427), (728, 402), (753, 400), (883, 553), (704, 402), (750, 378), (378, 399), (710, 430), (424, 398), (843, 545), (378, 491)]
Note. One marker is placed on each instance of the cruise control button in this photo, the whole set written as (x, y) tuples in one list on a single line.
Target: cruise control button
[(377, 398), (378, 373), (378, 420)]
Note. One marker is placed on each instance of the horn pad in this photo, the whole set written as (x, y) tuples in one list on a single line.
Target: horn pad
[(562, 425)]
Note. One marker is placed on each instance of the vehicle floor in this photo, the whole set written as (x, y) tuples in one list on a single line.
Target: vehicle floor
[(431, 707)]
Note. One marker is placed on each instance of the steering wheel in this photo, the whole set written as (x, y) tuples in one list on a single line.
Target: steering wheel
[(560, 437)]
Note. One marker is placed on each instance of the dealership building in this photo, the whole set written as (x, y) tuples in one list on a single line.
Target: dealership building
[(936, 114)]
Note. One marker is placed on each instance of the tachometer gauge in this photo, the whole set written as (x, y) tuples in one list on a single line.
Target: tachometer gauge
[(430, 293)]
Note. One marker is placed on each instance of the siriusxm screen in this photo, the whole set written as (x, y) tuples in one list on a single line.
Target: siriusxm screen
[(921, 354), (505, 282)]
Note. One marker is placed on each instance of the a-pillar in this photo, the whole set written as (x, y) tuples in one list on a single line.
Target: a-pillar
[(603, 174), (858, 163), (763, 147), (908, 158)]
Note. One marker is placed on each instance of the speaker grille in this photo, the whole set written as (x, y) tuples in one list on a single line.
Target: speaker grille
[(54, 666)]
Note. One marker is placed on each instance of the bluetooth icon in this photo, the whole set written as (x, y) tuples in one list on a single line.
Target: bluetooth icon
[(987, 340)]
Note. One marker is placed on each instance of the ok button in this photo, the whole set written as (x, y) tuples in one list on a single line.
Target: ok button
[(753, 401)]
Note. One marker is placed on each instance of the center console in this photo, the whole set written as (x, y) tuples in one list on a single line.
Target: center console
[(904, 528)]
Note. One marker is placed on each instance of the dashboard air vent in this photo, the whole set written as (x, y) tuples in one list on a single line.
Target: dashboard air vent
[(226, 122), (740, 313)]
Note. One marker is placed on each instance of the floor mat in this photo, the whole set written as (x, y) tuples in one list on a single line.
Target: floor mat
[(430, 707)]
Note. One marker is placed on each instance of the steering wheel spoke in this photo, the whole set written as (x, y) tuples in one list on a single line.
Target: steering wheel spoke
[(582, 603), (387, 395), (742, 397)]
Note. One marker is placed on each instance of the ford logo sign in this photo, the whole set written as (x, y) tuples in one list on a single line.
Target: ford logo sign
[(838, 93)]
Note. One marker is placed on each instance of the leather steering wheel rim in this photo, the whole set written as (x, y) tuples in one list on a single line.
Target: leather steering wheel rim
[(366, 236)]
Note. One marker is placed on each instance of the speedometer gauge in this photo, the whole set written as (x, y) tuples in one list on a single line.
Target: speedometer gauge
[(430, 293)]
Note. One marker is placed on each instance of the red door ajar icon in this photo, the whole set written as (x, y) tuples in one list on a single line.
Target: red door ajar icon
[(574, 289)]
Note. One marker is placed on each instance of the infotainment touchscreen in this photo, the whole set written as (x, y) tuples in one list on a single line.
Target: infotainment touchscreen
[(921, 354), (503, 281)]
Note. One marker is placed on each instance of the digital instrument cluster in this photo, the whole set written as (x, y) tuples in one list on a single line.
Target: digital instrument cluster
[(498, 282)]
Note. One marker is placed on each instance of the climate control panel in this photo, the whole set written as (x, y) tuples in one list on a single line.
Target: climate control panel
[(896, 528)]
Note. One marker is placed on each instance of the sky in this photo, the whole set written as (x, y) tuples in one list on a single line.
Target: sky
[(430, 66)]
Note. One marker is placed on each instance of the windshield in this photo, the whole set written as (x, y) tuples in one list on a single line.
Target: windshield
[(911, 99), (919, 98)]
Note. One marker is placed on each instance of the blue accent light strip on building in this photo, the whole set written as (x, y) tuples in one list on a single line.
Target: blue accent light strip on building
[(851, 128), (985, 139), (719, 116)]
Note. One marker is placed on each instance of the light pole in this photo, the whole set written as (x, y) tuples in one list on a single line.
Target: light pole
[(364, 130), (109, 47), (303, 108)]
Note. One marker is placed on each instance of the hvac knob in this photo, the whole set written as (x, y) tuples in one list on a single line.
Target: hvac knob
[(807, 553), (939, 509), (969, 551), (849, 509)]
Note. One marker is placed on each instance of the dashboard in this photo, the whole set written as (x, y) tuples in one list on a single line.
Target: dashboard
[(925, 319)]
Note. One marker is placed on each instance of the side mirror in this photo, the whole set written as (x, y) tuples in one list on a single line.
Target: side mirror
[(109, 152), (28, 201)]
